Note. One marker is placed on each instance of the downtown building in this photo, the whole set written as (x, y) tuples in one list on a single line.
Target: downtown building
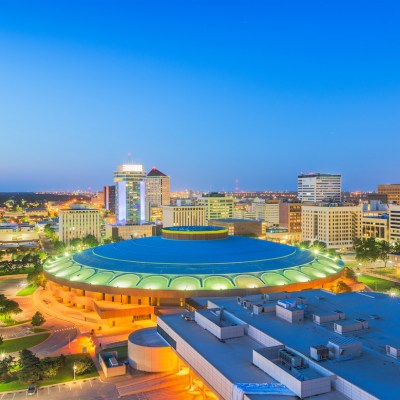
[(334, 224), (158, 194), (267, 211), (109, 198), (130, 192), (78, 221), (394, 223), (312, 188), (184, 215), (217, 205), (391, 191)]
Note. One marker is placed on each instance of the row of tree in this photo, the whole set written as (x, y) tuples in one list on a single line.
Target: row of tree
[(33, 369), (371, 250), (75, 244)]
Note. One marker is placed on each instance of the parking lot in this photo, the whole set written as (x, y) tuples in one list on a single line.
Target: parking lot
[(89, 389)]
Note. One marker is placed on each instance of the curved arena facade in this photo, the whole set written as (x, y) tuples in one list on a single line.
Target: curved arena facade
[(184, 262)]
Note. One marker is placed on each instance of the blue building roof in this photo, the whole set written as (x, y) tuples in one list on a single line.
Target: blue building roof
[(160, 263)]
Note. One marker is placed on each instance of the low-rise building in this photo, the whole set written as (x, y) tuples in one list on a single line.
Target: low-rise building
[(261, 346), (375, 226), (79, 221), (186, 215), (335, 224), (125, 232), (244, 227), (290, 216)]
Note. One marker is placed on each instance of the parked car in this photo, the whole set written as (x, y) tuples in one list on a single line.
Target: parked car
[(32, 389)]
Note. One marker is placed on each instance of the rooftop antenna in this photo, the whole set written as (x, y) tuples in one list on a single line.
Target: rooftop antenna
[(129, 158)]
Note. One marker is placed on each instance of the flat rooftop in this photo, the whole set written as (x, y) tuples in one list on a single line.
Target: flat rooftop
[(373, 371), (233, 357)]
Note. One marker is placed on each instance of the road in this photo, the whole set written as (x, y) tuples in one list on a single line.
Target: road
[(90, 389)]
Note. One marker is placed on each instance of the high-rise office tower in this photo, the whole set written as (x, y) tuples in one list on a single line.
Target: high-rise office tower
[(158, 194), (109, 198), (312, 188), (130, 188)]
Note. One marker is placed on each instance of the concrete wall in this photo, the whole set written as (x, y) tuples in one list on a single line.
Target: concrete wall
[(152, 359), (302, 389)]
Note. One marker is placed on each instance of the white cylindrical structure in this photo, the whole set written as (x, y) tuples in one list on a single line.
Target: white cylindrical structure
[(149, 352)]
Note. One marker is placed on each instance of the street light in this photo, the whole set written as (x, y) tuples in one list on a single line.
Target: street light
[(74, 368)]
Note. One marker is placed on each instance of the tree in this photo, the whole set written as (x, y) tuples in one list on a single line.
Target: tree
[(31, 368), (349, 273), (36, 276), (83, 365), (90, 241), (367, 250), (8, 307), (384, 249), (341, 287), (49, 232), (50, 367), (6, 364), (38, 319), (76, 242)]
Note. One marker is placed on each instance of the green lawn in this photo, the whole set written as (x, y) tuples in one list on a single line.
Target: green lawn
[(12, 322), (12, 345), (122, 351), (66, 374), (27, 290), (378, 284)]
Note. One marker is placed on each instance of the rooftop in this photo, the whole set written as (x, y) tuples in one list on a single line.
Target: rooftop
[(373, 371), (159, 263)]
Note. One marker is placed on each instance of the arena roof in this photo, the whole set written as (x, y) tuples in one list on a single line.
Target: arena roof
[(165, 264)]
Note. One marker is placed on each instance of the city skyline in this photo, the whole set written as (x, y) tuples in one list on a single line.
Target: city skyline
[(209, 93)]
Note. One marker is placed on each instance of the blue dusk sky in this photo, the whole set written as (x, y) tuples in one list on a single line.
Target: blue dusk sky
[(206, 91)]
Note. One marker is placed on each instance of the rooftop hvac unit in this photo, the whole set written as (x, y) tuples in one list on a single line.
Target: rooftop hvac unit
[(289, 358), (319, 352)]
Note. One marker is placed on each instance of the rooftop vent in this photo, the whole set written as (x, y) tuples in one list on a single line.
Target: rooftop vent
[(319, 352)]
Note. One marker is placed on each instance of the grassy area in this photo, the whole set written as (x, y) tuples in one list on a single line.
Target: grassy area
[(12, 345), (27, 290), (38, 330), (377, 284), (26, 270), (66, 374), (12, 322), (122, 351)]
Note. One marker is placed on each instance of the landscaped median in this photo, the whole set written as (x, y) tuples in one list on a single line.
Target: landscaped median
[(27, 290)]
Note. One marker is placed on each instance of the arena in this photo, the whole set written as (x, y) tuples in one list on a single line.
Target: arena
[(128, 279)]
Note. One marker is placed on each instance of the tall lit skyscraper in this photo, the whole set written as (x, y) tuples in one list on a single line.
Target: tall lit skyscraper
[(130, 191), (313, 188), (158, 194), (157, 188), (109, 198)]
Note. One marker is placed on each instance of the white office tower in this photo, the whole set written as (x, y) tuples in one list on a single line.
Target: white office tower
[(312, 188), (130, 189)]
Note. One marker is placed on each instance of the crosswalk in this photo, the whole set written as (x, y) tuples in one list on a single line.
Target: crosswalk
[(71, 328)]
